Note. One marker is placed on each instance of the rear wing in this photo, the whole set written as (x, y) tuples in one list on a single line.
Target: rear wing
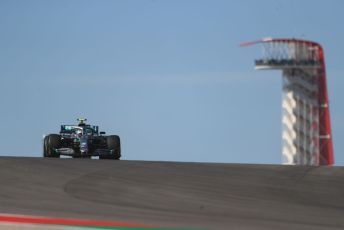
[(72, 128)]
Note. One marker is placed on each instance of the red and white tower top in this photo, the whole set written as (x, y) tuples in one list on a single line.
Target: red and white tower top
[(307, 136)]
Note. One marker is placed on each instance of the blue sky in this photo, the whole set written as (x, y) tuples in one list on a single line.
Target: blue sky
[(167, 76)]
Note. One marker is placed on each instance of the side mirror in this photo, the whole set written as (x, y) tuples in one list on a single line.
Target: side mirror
[(102, 133)]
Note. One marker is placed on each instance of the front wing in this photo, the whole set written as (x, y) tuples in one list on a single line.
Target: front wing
[(72, 152)]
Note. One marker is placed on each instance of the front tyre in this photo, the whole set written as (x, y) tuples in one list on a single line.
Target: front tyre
[(114, 145), (50, 144)]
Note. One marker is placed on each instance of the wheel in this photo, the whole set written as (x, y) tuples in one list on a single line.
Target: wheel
[(114, 144), (45, 146), (51, 142)]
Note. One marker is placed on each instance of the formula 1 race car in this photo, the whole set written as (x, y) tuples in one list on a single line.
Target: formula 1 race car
[(82, 141)]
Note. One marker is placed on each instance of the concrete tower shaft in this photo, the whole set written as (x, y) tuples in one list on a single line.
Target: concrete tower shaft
[(306, 124)]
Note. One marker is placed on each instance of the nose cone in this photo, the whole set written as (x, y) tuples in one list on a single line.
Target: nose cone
[(83, 145)]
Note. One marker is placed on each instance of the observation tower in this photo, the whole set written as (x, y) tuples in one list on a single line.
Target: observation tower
[(306, 123)]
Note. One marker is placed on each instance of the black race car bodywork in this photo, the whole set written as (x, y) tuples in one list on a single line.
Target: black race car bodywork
[(82, 140)]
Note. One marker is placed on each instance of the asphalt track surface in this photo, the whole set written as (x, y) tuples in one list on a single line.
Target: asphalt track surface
[(206, 195)]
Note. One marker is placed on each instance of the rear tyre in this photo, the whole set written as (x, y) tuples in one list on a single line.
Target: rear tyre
[(114, 145), (45, 146), (50, 144)]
